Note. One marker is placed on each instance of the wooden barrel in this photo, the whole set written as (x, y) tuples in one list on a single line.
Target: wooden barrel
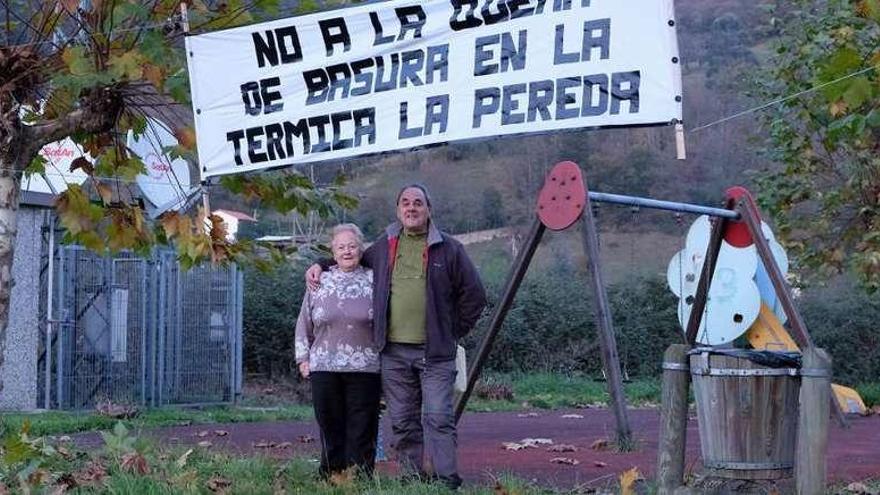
[(747, 415)]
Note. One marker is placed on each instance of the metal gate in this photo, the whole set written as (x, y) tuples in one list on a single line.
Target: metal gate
[(136, 330)]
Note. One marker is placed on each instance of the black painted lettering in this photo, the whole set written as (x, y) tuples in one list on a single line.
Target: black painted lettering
[(271, 99), (407, 132), (482, 54), (486, 102), (516, 8), (561, 5), (513, 55), (539, 7), (335, 32), (337, 119), (340, 79), (412, 18), (364, 126), (595, 95), (436, 112), (470, 20), (300, 131), (377, 29), (288, 45), (565, 100), (411, 63), (625, 87), (317, 85), (265, 49), (391, 82), (509, 105), (320, 124), (255, 144), (275, 141), (437, 60), (365, 79), (235, 138), (597, 34), (540, 97), (559, 56), (490, 17), (250, 95)]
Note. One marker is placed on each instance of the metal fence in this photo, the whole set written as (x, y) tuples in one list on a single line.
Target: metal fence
[(136, 330)]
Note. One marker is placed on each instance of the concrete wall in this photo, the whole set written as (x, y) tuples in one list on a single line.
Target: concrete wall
[(19, 371)]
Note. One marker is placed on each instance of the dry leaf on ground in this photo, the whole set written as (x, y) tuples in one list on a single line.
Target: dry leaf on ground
[(218, 484), (600, 444), (63, 452), (512, 446), (134, 462), (342, 478), (531, 442), (600, 464), (92, 473), (628, 480), (181, 461), (572, 416), (562, 447), (565, 460)]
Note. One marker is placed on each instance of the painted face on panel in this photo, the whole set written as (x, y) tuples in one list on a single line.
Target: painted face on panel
[(413, 211), (346, 250)]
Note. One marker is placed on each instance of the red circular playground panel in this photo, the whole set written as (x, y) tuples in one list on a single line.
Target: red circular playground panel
[(563, 196), (737, 233)]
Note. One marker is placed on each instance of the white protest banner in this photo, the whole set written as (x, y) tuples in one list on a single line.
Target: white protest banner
[(404, 74)]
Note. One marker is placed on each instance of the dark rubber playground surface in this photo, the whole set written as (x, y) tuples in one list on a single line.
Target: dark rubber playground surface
[(853, 453)]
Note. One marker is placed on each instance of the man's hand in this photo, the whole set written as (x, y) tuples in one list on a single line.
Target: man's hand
[(304, 369), (313, 277)]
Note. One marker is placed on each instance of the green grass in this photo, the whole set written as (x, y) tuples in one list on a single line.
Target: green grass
[(59, 422), (555, 391), (199, 471), (870, 393)]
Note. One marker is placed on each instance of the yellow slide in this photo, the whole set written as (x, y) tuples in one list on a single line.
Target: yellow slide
[(768, 334)]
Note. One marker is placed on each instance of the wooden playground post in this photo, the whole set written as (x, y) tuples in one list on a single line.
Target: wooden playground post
[(812, 436), (562, 201), (605, 328), (673, 419)]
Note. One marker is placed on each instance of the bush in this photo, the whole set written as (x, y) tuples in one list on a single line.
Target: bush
[(843, 320), (271, 305), (550, 326)]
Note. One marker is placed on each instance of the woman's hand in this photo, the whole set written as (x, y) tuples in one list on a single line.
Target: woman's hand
[(313, 277), (304, 369)]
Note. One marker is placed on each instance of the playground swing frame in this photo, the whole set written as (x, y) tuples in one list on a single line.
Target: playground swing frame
[(739, 207)]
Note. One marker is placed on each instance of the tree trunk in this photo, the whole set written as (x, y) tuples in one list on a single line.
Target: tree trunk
[(9, 197)]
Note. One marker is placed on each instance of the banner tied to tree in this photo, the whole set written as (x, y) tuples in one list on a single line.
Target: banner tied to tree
[(406, 74)]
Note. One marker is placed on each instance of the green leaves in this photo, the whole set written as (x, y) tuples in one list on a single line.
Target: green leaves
[(127, 66), (824, 193)]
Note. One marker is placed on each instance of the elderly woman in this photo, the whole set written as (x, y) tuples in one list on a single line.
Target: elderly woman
[(335, 349)]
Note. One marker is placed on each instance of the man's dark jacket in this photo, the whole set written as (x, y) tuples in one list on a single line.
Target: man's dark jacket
[(455, 294)]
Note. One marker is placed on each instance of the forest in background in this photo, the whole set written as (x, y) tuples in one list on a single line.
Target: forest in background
[(494, 183)]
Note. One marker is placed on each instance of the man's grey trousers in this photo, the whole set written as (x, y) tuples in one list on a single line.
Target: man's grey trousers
[(419, 396)]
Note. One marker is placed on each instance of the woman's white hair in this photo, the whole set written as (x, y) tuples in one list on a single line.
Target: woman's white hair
[(349, 227)]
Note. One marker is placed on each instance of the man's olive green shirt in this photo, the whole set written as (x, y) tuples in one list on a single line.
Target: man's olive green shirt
[(408, 286)]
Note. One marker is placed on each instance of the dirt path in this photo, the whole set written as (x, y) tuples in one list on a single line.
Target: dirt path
[(854, 453)]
